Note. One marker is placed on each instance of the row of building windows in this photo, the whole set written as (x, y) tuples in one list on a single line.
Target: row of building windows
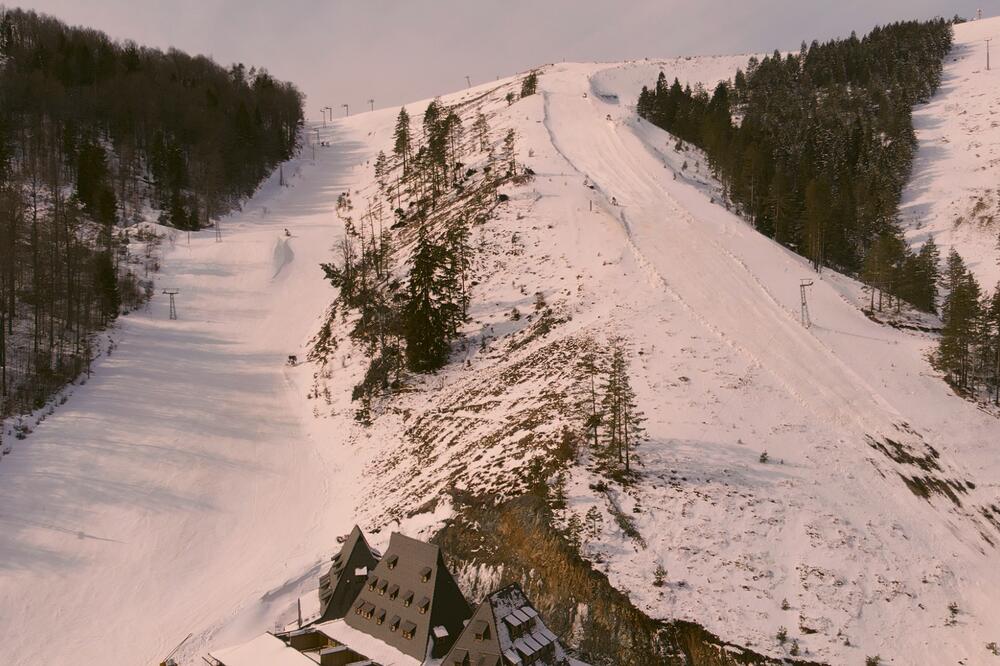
[(383, 589), (368, 611)]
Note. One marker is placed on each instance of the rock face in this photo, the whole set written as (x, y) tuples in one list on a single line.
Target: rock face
[(515, 542)]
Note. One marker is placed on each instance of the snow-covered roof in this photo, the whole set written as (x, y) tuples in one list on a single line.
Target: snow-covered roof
[(520, 635), (265, 650), (309, 606), (362, 643)]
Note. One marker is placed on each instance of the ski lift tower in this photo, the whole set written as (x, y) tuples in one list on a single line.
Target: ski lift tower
[(173, 305), (805, 283)]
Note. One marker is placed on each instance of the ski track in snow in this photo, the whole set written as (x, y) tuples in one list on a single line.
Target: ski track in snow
[(182, 481)]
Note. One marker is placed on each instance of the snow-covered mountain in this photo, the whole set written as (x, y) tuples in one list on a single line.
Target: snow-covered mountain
[(196, 483), (954, 194)]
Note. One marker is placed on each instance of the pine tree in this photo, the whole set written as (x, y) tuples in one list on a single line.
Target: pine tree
[(402, 144), (529, 84), (954, 272), (926, 276), (612, 412), (482, 130), (426, 315), (592, 422), (381, 170), (992, 316), (961, 314), (818, 205), (883, 266), (644, 105), (623, 422), (509, 152), (457, 239)]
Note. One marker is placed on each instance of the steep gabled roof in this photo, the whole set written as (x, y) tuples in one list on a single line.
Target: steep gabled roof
[(346, 577), (410, 600), (506, 630)]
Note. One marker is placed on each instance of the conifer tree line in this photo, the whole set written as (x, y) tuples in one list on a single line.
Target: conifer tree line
[(407, 315), (969, 348), (135, 126), (613, 421), (93, 134), (815, 147), (529, 85)]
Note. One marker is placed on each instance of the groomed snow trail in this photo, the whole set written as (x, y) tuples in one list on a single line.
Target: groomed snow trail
[(714, 285), (181, 482)]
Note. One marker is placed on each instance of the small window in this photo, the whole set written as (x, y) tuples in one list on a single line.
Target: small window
[(394, 623), (382, 587), (380, 616), (424, 604), (408, 599), (391, 561), (372, 582), (393, 591), (425, 574), (481, 630), (358, 606), (409, 629)]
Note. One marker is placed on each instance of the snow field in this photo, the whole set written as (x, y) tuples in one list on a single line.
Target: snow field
[(212, 479)]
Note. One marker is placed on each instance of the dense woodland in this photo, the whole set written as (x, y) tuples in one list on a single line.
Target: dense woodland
[(969, 348), (815, 147), (95, 136)]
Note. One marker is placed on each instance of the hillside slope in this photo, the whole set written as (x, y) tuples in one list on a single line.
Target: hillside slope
[(877, 508), (954, 194), (882, 510), (180, 482)]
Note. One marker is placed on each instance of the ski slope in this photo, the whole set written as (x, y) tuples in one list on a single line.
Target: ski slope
[(182, 481), (842, 512), (954, 194), (850, 411), (196, 482)]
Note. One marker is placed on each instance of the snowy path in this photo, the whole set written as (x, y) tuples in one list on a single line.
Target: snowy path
[(181, 481)]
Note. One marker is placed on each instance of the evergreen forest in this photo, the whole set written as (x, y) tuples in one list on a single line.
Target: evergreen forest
[(97, 136)]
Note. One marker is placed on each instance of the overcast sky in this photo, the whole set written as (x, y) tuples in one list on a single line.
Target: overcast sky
[(396, 51)]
